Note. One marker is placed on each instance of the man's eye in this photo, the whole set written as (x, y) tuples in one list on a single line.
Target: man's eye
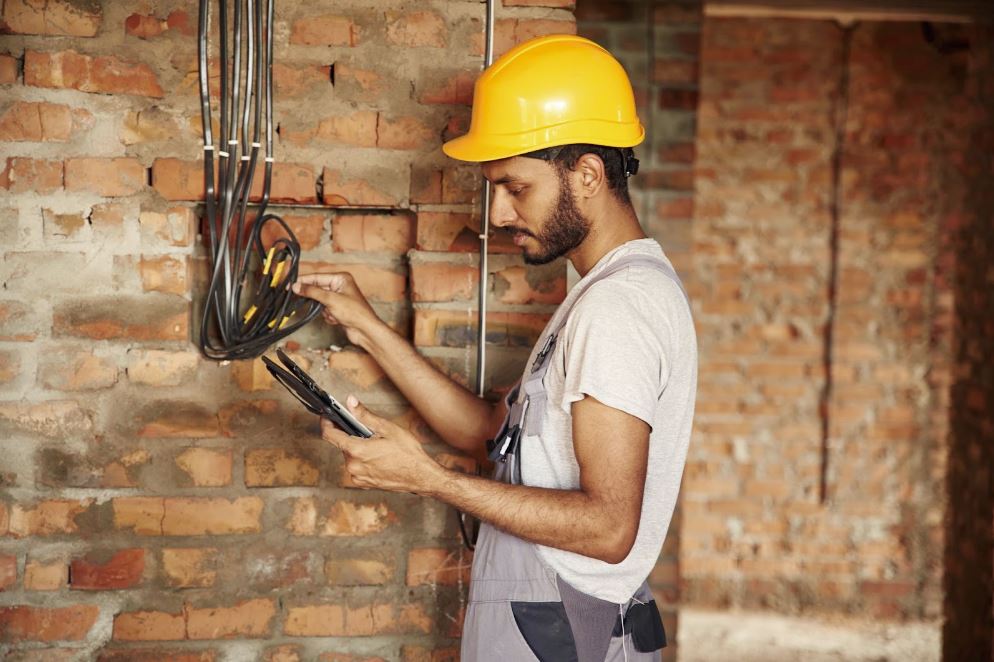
[(515, 191)]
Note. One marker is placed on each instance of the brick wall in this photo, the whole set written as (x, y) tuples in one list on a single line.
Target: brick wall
[(659, 45), (969, 557), (756, 532), (157, 503)]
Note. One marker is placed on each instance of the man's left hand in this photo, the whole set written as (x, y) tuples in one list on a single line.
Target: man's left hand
[(392, 459)]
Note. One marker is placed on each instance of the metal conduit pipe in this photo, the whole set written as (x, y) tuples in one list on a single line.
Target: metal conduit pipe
[(481, 340)]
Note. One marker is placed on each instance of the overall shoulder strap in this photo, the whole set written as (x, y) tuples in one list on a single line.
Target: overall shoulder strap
[(637, 260)]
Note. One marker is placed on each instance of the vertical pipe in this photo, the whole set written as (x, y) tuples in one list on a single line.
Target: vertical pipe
[(481, 341)]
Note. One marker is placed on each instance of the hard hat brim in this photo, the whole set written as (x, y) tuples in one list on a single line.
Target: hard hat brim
[(478, 149)]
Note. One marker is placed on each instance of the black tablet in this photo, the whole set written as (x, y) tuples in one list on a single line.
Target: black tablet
[(312, 396)]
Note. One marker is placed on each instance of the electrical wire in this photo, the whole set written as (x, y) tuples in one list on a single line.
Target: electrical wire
[(241, 321)]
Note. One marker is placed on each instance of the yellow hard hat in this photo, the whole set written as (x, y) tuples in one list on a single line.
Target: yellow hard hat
[(546, 92)]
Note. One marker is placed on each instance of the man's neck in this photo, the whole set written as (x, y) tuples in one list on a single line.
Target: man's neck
[(615, 225)]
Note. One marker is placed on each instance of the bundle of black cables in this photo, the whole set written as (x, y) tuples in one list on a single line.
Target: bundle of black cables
[(241, 321)]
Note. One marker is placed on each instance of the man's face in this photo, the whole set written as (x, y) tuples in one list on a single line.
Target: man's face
[(534, 202)]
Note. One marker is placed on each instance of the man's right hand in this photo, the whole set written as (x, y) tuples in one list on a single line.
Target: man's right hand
[(344, 303)]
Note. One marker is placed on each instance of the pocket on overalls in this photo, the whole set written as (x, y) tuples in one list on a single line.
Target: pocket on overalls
[(546, 629), (645, 625), (535, 414)]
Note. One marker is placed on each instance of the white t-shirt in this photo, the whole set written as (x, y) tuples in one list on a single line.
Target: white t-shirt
[(629, 343)]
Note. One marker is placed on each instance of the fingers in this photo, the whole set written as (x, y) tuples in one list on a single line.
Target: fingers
[(335, 282), (335, 436), (379, 426), (316, 292)]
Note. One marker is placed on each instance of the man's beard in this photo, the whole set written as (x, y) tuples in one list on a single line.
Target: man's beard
[(565, 229)]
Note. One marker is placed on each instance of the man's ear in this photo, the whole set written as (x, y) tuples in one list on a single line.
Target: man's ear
[(591, 176)]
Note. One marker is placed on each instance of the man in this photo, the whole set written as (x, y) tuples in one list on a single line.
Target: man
[(590, 456)]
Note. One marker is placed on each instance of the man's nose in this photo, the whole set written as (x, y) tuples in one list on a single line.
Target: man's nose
[(502, 211)]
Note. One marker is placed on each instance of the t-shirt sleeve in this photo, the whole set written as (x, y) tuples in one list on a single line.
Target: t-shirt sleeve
[(614, 351)]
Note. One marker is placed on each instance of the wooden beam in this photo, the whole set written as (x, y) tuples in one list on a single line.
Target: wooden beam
[(852, 11)]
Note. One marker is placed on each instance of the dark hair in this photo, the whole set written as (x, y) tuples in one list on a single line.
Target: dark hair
[(619, 163)]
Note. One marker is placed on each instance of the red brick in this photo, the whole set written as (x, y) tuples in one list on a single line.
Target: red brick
[(342, 191), (69, 227), (426, 185), (149, 626), (438, 566), (10, 366), (325, 30), (107, 177), (287, 653), (290, 81), (509, 32), (207, 516), (449, 87), (154, 367), (358, 129), (393, 233), (144, 26), (104, 74), (358, 572), (22, 175), (337, 621), (252, 375), (49, 418), (149, 125), (175, 179), (343, 518), (447, 231), (137, 318), (24, 623), (178, 420), (309, 231), (416, 29), (51, 17), (47, 518), (358, 368), (441, 281), (291, 182), (206, 467), (376, 283), (456, 328), (461, 185), (36, 122), (143, 515), (45, 576), (76, 370), (8, 570), (412, 653), (252, 618), (278, 467), (680, 72), (520, 285), (8, 69), (165, 273), (122, 570), (190, 567), (175, 227), (407, 133)]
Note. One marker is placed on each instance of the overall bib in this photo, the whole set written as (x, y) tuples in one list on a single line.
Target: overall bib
[(519, 608)]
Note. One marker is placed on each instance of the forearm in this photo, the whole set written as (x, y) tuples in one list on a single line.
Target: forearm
[(571, 520), (459, 417)]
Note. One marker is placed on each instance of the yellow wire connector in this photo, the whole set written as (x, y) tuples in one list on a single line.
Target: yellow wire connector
[(248, 314), (269, 260), (286, 318), (276, 273)]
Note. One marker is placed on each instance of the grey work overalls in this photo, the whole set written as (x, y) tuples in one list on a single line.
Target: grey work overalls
[(519, 608)]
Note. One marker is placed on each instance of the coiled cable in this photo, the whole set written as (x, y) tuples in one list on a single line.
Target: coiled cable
[(241, 321)]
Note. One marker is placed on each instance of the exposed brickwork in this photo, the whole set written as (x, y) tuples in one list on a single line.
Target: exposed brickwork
[(168, 507), (755, 532)]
